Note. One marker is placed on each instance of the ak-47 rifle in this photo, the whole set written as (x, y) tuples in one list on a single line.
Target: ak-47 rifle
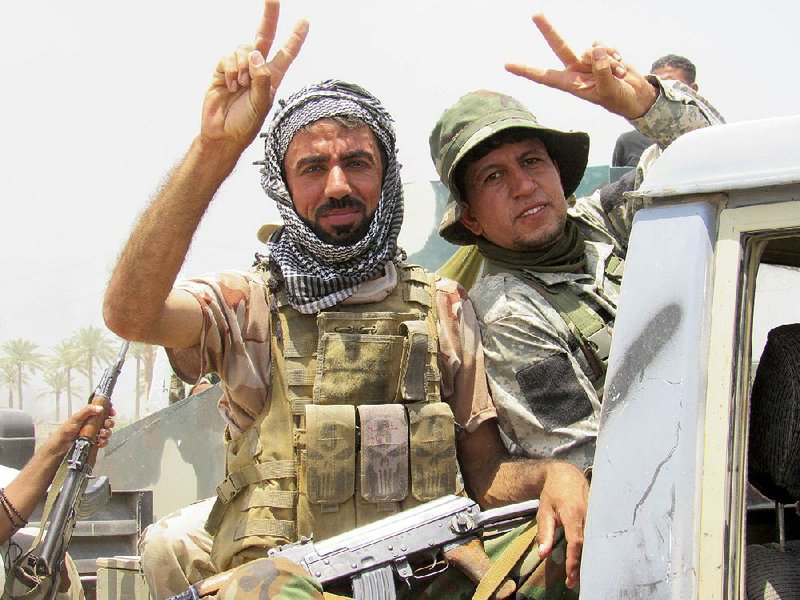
[(37, 572), (436, 534)]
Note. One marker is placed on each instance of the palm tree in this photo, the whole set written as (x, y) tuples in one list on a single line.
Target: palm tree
[(8, 377), (67, 358), (56, 380), (144, 355), (23, 355), (93, 347)]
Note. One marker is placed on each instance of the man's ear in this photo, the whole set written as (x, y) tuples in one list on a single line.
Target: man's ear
[(694, 86), (469, 221)]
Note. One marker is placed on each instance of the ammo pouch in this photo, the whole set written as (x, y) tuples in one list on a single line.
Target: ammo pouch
[(362, 464), (361, 359)]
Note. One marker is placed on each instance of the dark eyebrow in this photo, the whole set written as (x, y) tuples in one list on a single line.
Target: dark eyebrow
[(359, 154), (537, 152), (311, 159), (479, 173), (315, 159)]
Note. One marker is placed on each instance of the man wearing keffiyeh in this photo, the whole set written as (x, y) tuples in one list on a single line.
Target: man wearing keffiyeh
[(353, 384), (320, 268)]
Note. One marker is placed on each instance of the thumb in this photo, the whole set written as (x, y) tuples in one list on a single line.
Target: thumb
[(601, 67), (261, 85), (86, 411)]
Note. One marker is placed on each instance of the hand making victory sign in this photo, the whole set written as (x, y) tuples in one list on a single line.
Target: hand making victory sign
[(140, 301), (244, 83), (599, 76)]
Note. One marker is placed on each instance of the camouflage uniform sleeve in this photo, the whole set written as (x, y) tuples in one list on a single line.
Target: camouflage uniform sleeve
[(677, 110), (463, 384), (234, 343), (607, 215), (546, 405)]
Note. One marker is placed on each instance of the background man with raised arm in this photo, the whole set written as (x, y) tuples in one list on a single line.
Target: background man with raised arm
[(330, 329), (548, 296)]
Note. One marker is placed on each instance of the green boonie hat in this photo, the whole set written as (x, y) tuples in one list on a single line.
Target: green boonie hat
[(480, 115)]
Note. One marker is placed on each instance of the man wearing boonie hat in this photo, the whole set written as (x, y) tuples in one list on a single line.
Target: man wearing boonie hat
[(551, 273), (346, 374)]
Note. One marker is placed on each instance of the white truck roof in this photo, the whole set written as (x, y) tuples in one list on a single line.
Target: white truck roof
[(742, 155)]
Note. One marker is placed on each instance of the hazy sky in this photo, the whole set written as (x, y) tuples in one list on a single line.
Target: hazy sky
[(101, 98)]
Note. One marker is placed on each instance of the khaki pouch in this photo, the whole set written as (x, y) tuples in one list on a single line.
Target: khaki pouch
[(359, 357), (330, 454), (434, 466), (384, 453)]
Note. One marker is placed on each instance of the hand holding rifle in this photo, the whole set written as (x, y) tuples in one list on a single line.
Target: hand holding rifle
[(79, 438)]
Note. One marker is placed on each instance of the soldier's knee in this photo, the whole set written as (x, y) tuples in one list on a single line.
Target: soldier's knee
[(154, 547), (178, 537)]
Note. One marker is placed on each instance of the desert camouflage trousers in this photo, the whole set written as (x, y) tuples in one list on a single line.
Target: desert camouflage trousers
[(175, 553), (176, 550)]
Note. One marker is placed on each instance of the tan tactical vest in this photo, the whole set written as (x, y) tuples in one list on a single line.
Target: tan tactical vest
[(353, 430)]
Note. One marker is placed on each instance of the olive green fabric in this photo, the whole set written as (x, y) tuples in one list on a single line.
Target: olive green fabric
[(478, 116), (464, 267), (566, 255)]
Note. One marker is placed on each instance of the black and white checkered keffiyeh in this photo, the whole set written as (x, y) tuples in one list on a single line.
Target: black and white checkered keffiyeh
[(318, 275)]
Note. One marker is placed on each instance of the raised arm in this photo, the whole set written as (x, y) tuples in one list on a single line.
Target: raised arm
[(140, 303), (661, 110), (599, 76)]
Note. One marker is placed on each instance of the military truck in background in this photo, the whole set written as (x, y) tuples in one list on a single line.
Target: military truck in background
[(712, 265)]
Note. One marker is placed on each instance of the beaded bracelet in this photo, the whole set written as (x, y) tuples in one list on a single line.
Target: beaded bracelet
[(14, 525), (9, 508)]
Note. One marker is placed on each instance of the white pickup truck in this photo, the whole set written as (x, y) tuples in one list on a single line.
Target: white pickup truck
[(668, 510)]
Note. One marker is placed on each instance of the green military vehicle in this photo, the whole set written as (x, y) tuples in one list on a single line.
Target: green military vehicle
[(712, 266)]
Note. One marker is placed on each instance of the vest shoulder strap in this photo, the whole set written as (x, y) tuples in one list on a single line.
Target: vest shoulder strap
[(583, 321)]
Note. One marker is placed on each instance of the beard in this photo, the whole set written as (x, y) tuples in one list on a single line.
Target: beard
[(346, 234), (544, 237), (541, 243)]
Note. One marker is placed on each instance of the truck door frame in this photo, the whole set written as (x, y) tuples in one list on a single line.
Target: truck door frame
[(742, 235)]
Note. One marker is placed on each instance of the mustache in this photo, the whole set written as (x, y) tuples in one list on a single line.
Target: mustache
[(339, 203)]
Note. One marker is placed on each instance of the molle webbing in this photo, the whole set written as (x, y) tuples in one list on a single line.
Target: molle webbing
[(265, 527), (274, 498), (368, 354), (590, 327), (341, 467), (615, 267), (238, 480)]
